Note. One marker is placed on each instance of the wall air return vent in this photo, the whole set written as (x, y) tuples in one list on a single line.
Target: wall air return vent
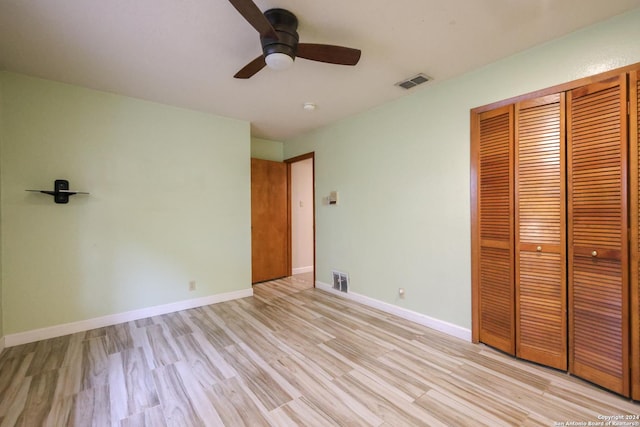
[(413, 81), (340, 281)]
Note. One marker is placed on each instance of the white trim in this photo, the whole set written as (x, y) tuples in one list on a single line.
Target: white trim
[(422, 319), (300, 270), (113, 319)]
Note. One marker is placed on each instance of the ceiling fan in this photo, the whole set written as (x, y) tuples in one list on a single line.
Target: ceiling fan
[(279, 39)]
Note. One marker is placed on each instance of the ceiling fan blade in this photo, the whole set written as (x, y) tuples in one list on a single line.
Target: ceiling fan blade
[(328, 53), (251, 68), (255, 17)]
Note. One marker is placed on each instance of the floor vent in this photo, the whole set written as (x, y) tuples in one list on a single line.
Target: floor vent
[(340, 281), (413, 81)]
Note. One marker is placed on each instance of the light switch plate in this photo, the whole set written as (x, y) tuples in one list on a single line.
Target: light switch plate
[(333, 198)]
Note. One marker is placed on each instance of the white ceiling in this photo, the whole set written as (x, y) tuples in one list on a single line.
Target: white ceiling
[(185, 52)]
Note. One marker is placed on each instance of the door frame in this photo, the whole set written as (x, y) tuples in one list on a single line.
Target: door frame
[(289, 162)]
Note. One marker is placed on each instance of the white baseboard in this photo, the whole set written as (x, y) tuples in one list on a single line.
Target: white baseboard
[(422, 319), (300, 270), (113, 319)]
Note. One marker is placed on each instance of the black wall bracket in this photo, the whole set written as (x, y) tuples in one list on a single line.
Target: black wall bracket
[(60, 191)]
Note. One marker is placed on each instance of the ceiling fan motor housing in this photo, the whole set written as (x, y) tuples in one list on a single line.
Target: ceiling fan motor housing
[(285, 23)]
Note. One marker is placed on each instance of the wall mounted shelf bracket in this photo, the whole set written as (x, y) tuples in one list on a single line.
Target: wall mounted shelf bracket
[(60, 191)]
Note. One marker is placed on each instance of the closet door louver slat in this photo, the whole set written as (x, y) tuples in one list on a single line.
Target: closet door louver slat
[(597, 233)]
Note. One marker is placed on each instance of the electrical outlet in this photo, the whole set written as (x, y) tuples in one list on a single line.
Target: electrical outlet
[(192, 285)]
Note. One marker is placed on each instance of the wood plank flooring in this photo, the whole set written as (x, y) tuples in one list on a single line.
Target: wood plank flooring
[(288, 356)]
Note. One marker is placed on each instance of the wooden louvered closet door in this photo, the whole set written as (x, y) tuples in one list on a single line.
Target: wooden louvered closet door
[(634, 115), (597, 233), (541, 323), (495, 227)]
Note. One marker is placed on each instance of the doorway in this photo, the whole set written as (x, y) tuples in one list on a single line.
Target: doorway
[(301, 203), (283, 219)]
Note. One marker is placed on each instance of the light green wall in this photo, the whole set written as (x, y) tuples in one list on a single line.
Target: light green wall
[(402, 172), (169, 203), (266, 149)]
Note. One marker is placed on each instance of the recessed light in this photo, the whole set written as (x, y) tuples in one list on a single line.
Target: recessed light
[(309, 106)]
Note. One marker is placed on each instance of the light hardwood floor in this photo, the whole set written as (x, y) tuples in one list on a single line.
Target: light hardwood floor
[(288, 356)]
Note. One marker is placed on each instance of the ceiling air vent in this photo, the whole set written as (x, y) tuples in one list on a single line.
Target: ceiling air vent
[(413, 81)]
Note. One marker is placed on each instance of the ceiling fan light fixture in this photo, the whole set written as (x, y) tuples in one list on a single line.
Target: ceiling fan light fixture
[(278, 61), (278, 29)]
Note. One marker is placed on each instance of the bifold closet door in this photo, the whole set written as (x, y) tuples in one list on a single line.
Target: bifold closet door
[(597, 234), (493, 252), (540, 249), (634, 115)]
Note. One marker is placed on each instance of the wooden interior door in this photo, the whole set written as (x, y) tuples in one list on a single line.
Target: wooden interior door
[(598, 242), (269, 221), (634, 154), (493, 232), (540, 258)]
